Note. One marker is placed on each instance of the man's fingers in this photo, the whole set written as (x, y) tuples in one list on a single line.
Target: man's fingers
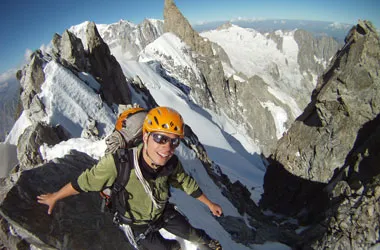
[(43, 199)]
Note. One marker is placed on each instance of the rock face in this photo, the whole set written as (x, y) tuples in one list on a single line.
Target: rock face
[(326, 162), (28, 152), (106, 69), (126, 39), (69, 50), (175, 22), (212, 83), (32, 78), (72, 51), (92, 229), (313, 52)]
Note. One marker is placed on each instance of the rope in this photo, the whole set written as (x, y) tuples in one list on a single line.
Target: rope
[(129, 233), (157, 203)]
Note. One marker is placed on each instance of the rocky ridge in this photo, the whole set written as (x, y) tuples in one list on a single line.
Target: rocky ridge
[(68, 51), (323, 171)]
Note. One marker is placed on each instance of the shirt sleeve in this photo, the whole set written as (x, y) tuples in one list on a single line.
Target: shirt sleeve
[(98, 177), (180, 179)]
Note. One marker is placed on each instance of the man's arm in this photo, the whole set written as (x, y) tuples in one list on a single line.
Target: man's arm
[(214, 208), (51, 198)]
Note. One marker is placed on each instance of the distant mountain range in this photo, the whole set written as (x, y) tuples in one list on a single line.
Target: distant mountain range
[(132, 38), (318, 28)]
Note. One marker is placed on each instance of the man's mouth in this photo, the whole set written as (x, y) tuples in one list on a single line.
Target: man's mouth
[(163, 155)]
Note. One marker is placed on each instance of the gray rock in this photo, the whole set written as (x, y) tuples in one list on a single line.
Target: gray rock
[(106, 69), (238, 230), (90, 131), (36, 110), (175, 22), (132, 39), (32, 79), (33, 137), (72, 51), (324, 170)]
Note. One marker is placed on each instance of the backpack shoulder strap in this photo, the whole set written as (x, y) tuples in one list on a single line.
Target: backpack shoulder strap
[(119, 196), (124, 163)]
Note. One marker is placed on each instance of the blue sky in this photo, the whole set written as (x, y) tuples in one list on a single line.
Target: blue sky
[(28, 24)]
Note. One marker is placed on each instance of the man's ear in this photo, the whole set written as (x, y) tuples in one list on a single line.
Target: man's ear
[(145, 138)]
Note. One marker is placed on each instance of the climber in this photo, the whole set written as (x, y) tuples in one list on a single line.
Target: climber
[(155, 168)]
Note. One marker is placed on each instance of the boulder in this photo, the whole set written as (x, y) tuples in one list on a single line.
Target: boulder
[(30, 141), (77, 222)]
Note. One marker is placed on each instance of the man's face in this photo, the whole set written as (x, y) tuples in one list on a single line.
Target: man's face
[(160, 147)]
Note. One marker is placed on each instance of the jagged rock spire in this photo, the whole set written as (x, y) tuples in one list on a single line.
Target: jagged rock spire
[(106, 69), (176, 23)]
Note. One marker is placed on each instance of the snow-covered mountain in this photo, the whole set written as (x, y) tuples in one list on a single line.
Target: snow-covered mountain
[(317, 28), (279, 67), (125, 39)]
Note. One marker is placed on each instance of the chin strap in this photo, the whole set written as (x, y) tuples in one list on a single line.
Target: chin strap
[(153, 165)]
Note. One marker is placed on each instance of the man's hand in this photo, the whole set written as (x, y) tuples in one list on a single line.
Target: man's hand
[(47, 199), (216, 210), (51, 198)]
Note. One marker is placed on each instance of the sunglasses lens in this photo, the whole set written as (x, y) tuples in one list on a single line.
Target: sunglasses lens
[(174, 142), (163, 139)]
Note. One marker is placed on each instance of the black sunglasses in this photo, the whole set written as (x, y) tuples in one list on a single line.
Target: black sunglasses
[(163, 139)]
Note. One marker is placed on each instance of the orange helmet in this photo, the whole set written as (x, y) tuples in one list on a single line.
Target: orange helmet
[(164, 119)]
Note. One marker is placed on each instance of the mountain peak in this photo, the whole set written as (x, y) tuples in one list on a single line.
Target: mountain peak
[(226, 25), (176, 23)]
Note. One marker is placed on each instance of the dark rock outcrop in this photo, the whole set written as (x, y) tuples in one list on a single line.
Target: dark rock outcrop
[(76, 222), (323, 170), (106, 70)]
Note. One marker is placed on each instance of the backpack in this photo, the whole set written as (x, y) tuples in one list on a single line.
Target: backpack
[(126, 135), (128, 128)]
